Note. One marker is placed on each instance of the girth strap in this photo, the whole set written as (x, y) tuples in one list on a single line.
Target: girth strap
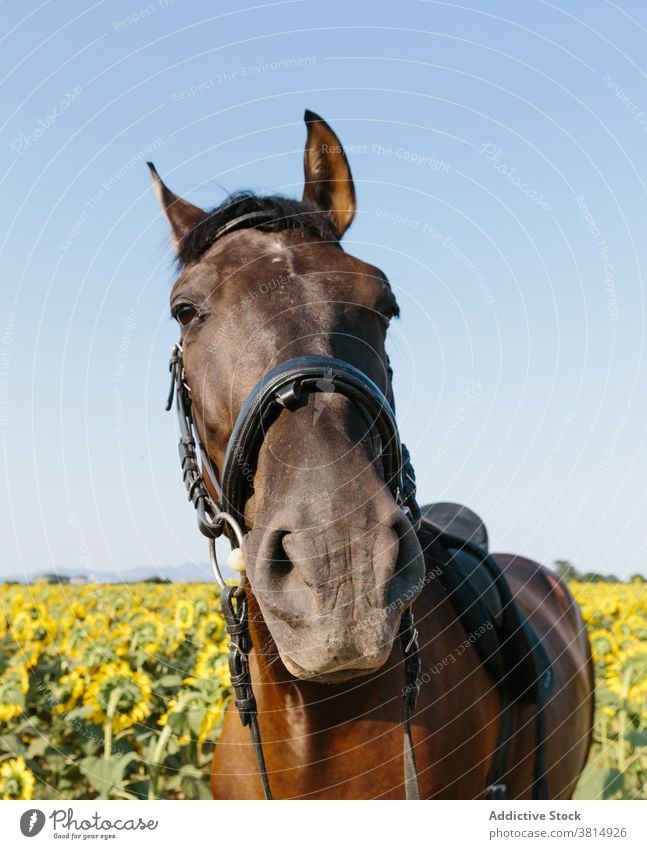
[(412, 667)]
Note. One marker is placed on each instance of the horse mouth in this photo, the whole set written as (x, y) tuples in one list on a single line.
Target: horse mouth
[(338, 676), (337, 673)]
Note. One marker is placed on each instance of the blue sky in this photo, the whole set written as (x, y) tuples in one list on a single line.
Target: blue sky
[(499, 152)]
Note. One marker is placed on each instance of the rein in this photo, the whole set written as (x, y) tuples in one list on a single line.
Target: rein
[(286, 387)]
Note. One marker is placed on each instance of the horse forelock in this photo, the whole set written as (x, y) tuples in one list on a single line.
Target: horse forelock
[(283, 214)]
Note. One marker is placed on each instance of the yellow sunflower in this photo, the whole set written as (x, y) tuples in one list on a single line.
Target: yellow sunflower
[(184, 615), (104, 648), (16, 781), (212, 664), (28, 656), (120, 695), (629, 678), (69, 691), (147, 634), (212, 627), (212, 717), (14, 684), (603, 645), (21, 626), (97, 623)]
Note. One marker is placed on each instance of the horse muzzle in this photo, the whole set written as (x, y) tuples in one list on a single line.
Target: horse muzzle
[(332, 597)]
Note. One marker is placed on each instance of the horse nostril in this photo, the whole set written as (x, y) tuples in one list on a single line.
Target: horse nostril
[(280, 563)]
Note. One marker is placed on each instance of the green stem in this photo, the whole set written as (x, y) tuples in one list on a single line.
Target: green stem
[(107, 725), (622, 723), (605, 743), (162, 741)]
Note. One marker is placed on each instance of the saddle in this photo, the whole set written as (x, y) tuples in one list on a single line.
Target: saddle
[(455, 544)]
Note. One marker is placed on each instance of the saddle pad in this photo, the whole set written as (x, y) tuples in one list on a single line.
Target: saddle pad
[(504, 639), (459, 520)]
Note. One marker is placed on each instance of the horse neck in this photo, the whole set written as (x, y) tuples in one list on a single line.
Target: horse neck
[(322, 717)]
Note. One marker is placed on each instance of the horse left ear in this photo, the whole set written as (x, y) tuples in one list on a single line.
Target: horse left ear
[(182, 215), (329, 183)]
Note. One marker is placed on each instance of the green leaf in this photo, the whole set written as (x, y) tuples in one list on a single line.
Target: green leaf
[(12, 744), (614, 783), (196, 718), (606, 697), (169, 681), (177, 721), (104, 774), (636, 737), (591, 783), (37, 747), (194, 783), (139, 788)]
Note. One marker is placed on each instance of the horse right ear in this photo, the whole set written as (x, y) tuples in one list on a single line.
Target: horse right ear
[(182, 215), (328, 181)]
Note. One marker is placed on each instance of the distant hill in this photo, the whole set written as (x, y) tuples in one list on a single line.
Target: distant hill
[(185, 573)]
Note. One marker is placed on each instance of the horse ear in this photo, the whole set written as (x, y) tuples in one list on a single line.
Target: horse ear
[(328, 181), (182, 215)]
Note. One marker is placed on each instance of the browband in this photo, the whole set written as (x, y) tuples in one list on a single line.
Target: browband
[(237, 223)]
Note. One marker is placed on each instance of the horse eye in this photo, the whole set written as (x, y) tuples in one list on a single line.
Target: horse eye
[(185, 313)]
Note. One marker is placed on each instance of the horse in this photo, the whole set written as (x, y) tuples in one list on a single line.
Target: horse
[(289, 446)]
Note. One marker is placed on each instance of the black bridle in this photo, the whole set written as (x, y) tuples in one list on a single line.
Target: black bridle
[(286, 387)]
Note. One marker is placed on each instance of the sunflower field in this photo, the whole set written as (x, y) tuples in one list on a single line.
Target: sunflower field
[(118, 691), (616, 618), (110, 691)]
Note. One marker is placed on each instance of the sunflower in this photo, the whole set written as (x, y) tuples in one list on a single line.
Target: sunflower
[(28, 656), (184, 615), (97, 623), (147, 634), (630, 678), (603, 645), (212, 717), (21, 626), (14, 683), (212, 627), (104, 648), (212, 664), (16, 781), (43, 630), (69, 691), (133, 699)]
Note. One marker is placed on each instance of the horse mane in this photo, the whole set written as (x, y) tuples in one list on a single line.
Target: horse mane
[(286, 214)]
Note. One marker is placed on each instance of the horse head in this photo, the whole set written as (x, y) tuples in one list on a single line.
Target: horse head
[(331, 557)]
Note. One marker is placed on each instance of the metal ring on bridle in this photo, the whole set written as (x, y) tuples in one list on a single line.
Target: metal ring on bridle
[(223, 519)]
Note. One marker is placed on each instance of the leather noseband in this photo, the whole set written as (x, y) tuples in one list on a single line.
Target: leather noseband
[(287, 387)]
